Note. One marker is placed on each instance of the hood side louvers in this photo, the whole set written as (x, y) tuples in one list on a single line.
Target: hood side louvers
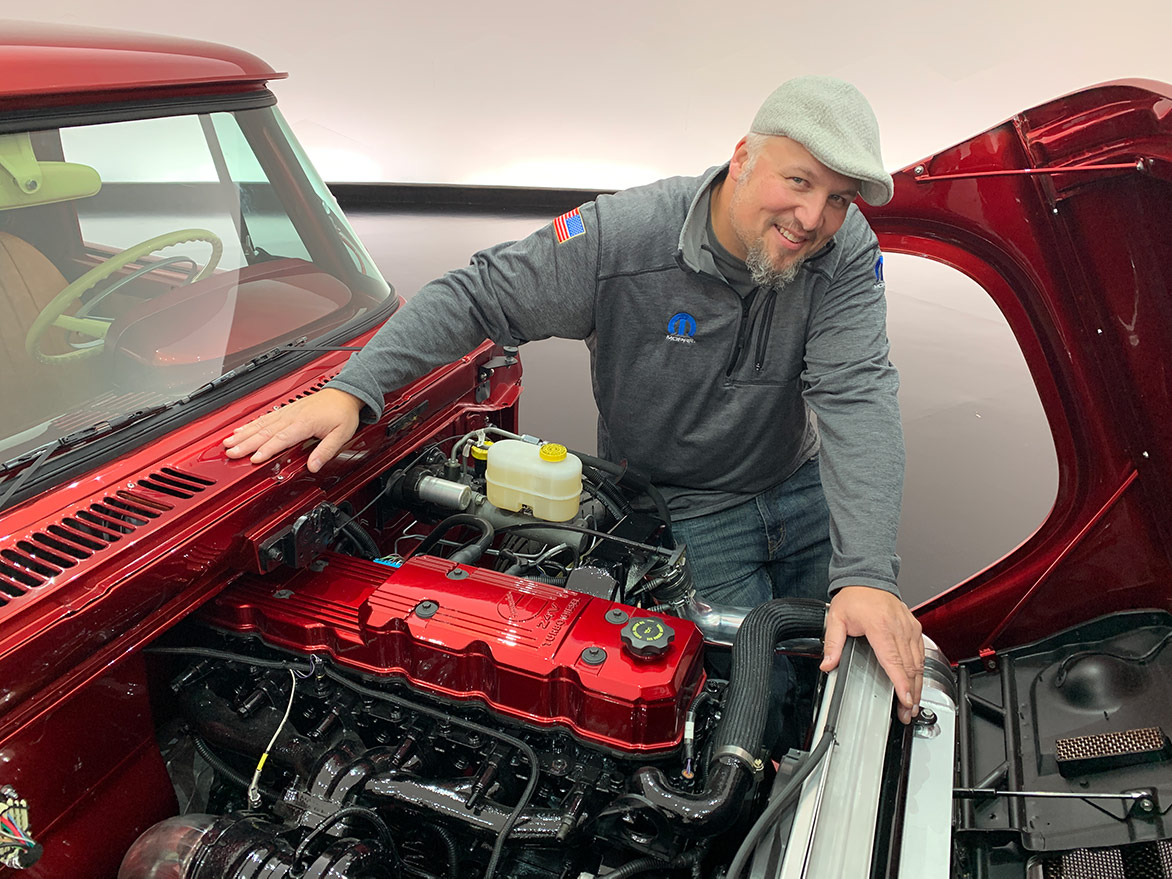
[(34, 559)]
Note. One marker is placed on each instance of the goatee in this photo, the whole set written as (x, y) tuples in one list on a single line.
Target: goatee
[(767, 275)]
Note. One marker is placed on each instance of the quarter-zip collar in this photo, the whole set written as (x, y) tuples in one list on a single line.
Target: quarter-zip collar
[(690, 252)]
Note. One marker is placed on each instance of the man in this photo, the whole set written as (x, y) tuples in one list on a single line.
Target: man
[(720, 312)]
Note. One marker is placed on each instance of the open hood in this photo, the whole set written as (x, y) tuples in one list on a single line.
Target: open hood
[(1060, 213)]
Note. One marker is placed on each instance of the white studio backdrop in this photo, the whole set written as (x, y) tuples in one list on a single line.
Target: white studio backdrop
[(611, 94)]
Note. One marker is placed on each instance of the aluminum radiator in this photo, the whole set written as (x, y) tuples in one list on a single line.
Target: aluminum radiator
[(877, 802)]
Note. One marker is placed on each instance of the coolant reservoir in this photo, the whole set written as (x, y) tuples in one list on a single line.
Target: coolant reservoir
[(545, 478)]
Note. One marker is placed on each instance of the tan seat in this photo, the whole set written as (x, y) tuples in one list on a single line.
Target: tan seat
[(38, 392), (28, 282)]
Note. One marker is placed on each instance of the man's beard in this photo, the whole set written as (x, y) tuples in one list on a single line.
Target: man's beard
[(764, 273)]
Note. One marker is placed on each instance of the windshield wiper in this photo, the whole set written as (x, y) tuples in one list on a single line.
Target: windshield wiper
[(26, 465), (260, 360)]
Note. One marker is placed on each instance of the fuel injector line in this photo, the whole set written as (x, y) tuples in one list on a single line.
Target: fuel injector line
[(737, 741)]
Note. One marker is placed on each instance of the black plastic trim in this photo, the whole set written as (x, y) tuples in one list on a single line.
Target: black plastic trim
[(439, 197), (95, 114)]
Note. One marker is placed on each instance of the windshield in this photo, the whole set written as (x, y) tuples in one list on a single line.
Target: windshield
[(140, 260)]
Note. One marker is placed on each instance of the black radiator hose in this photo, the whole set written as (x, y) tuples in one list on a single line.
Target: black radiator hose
[(746, 704), (736, 744)]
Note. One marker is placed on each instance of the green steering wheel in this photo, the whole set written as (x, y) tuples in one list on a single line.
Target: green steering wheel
[(53, 314)]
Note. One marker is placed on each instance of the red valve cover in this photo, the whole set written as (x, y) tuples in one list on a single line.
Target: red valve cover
[(513, 644)]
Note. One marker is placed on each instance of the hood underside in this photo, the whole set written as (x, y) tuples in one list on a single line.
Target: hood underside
[(1059, 213)]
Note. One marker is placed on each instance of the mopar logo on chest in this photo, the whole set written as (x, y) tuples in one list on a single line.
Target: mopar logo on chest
[(681, 328)]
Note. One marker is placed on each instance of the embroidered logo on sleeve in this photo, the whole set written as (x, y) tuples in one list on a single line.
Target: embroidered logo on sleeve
[(879, 270), (569, 226)]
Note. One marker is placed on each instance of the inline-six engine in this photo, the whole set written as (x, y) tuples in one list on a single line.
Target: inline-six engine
[(516, 697)]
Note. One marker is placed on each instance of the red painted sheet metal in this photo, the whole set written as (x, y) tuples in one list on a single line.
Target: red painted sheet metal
[(515, 645), (167, 563), (42, 60), (93, 754), (1079, 261)]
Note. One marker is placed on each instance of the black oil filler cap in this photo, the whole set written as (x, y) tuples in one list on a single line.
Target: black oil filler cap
[(646, 637)]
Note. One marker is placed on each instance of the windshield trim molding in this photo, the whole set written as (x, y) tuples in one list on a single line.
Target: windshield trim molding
[(95, 114)]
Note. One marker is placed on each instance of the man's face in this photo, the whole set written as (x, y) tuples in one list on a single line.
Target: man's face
[(785, 206)]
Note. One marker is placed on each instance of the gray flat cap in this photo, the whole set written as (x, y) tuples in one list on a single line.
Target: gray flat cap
[(833, 120)]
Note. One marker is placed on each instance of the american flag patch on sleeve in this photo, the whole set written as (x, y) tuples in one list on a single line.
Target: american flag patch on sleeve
[(569, 226)]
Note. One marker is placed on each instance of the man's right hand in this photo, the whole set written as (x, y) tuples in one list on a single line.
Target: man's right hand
[(329, 415)]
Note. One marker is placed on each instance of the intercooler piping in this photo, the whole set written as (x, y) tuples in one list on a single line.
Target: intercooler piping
[(737, 741), (718, 623)]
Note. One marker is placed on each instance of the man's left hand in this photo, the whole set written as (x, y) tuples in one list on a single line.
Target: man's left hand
[(894, 634)]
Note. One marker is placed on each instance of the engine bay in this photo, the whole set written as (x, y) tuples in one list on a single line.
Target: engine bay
[(419, 682), (449, 688)]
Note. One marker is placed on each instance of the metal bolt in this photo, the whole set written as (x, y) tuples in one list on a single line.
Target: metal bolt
[(31, 186), (918, 170), (1054, 210), (926, 717), (283, 593), (1146, 455)]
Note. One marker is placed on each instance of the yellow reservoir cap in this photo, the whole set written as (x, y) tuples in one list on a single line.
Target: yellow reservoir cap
[(480, 453), (553, 452)]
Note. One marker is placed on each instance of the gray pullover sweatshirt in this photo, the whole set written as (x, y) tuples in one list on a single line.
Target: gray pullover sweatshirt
[(708, 393)]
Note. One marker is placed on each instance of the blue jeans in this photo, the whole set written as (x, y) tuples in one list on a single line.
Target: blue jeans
[(776, 545)]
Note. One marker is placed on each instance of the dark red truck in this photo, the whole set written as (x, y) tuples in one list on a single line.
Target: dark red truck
[(214, 669)]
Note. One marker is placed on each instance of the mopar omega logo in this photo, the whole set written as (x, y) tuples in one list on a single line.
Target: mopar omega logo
[(681, 328)]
